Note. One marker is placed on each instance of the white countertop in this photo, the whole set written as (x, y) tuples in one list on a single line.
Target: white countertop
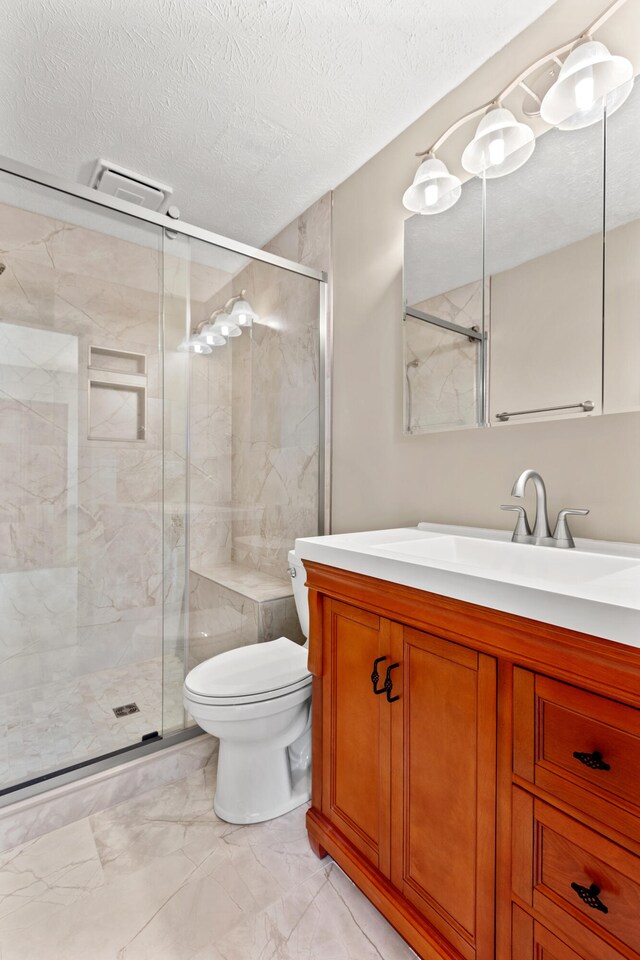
[(594, 588)]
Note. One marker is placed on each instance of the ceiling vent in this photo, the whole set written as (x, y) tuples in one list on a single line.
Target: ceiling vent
[(130, 186)]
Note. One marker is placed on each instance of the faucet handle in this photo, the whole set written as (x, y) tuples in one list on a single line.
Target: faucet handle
[(562, 534), (522, 528)]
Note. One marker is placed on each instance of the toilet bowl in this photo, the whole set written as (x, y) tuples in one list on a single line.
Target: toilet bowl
[(257, 701)]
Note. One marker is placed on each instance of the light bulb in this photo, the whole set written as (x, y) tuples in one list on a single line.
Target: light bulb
[(433, 190), (431, 194), (496, 151), (212, 339), (193, 345), (584, 92)]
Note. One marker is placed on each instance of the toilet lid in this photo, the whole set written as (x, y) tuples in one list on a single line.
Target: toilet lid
[(260, 668)]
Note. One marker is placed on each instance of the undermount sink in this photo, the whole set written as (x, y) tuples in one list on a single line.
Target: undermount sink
[(508, 561)]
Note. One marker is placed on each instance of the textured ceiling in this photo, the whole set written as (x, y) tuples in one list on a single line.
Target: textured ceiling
[(250, 109)]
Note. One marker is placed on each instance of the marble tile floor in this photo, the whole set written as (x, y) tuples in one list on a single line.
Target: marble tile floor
[(160, 877), (63, 722)]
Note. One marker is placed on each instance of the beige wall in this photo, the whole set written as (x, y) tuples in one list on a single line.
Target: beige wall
[(382, 478)]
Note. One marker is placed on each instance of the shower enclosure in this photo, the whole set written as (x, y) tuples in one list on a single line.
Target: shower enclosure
[(148, 495)]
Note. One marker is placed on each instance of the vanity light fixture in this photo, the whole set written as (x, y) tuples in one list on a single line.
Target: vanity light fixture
[(588, 78), (433, 190), (501, 145)]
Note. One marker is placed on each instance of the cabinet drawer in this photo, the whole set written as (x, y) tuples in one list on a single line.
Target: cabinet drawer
[(580, 747), (578, 881)]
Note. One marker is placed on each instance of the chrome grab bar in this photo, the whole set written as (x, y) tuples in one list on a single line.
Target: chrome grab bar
[(586, 405)]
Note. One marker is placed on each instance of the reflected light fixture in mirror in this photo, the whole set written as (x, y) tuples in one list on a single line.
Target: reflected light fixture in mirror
[(210, 336), (589, 77), (224, 325), (194, 345), (501, 145), (433, 190), (243, 313)]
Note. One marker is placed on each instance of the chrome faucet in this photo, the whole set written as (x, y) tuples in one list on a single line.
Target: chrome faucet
[(541, 532)]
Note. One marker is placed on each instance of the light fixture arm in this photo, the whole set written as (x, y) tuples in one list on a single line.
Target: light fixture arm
[(229, 304), (519, 80), (210, 319)]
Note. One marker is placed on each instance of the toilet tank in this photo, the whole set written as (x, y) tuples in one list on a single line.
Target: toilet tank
[(300, 592)]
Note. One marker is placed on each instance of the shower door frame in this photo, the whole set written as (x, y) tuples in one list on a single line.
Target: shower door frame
[(33, 175)]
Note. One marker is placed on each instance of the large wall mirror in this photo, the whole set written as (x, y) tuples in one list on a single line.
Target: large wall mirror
[(522, 301)]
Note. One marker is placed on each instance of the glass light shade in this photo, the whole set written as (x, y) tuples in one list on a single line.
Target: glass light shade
[(501, 145), (243, 313), (224, 326), (588, 77), (433, 190), (211, 337), (194, 345)]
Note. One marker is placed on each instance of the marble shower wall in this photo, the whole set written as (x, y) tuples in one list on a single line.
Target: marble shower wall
[(275, 404), (254, 448)]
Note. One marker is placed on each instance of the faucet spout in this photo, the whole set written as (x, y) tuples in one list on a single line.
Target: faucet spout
[(541, 532)]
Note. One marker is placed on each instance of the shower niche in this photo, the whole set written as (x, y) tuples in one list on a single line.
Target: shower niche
[(117, 395)]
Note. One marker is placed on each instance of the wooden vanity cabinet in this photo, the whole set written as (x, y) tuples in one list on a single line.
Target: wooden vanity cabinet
[(476, 774)]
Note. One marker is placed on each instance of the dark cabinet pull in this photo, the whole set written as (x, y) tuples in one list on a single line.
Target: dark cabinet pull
[(388, 683), (589, 895), (592, 760), (375, 676)]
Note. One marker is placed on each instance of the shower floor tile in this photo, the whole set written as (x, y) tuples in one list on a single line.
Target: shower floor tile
[(57, 724), (162, 878)]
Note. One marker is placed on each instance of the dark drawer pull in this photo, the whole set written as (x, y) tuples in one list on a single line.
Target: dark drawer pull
[(375, 676), (592, 760), (589, 895), (388, 683)]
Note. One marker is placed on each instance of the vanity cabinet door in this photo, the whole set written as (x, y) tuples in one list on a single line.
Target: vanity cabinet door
[(356, 730), (443, 787), (531, 941)]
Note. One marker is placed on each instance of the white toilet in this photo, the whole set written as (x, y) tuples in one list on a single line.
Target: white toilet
[(257, 700)]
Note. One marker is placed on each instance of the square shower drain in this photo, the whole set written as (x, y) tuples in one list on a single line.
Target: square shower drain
[(125, 710)]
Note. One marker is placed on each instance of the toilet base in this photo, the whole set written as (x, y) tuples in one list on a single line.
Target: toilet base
[(256, 784), (233, 817)]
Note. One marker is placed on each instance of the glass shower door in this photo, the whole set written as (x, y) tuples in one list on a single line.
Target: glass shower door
[(82, 582)]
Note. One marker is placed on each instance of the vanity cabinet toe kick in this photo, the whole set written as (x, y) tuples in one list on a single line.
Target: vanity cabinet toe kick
[(476, 774)]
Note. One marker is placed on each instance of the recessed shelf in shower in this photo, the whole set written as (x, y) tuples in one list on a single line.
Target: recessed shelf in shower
[(117, 395)]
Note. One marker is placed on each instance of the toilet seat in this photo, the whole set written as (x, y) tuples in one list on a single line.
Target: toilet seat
[(262, 671)]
